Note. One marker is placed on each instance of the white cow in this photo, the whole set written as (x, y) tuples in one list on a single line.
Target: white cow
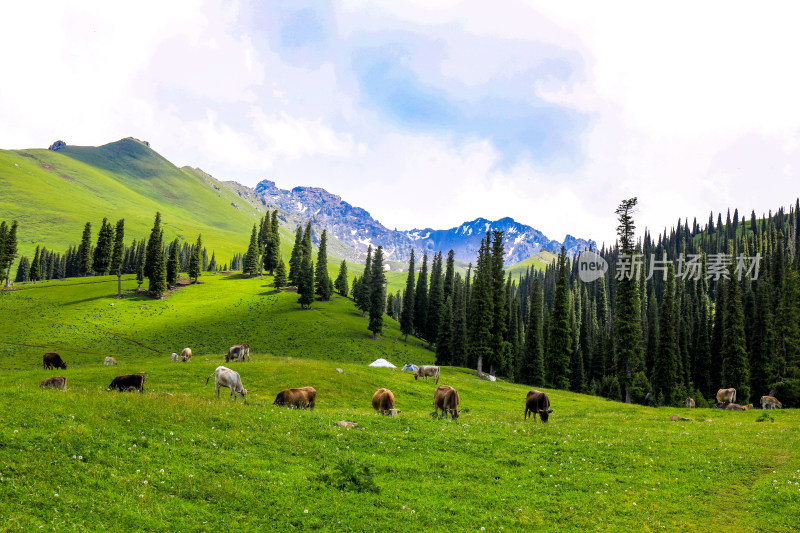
[(225, 377), (174, 357)]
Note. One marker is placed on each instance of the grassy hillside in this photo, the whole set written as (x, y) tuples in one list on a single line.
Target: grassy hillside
[(80, 319), (538, 262), (53, 194), (176, 458)]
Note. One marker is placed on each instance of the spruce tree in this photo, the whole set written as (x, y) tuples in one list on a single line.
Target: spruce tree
[(628, 322), (118, 253), (532, 367), (449, 275), (444, 343), (421, 300), (341, 280), (322, 280), (85, 251), (377, 294), (297, 257), (154, 247), (3, 257), (390, 305), (407, 315), (665, 374), (763, 368), (23, 270), (273, 249), (139, 277), (280, 275), (212, 265), (158, 279), (194, 259), (499, 346), (362, 295), (787, 388), (480, 313), (305, 284), (251, 259), (104, 248), (735, 367), (459, 335), (559, 349), (173, 264), (35, 272), (435, 299), (10, 250)]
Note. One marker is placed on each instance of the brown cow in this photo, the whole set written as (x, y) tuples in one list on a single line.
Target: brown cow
[(57, 382), (726, 396), (736, 407), (427, 370), (298, 398), (445, 398), (689, 403), (770, 402), (537, 402), (383, 402), (53, 360), (128, 382), (186, 354)]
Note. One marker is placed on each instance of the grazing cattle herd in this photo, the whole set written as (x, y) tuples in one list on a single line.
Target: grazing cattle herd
[(445, 397)]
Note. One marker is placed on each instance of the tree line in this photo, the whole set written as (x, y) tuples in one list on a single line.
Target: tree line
[(651, 339)]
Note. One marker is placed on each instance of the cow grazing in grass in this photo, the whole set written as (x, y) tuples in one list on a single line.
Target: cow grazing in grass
[(537, 402), (186, 354), (57, 382), (383, 402), (225, 377), (109, 361), (689, 403), (445, 398), (130, 382), (175, 357), (726, 396), (427, 370), (53, 360), (238, 352), (297, 398), (736, 407), (769, 402)]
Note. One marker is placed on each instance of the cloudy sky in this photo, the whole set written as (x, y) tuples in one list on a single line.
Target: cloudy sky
[(429, 114)]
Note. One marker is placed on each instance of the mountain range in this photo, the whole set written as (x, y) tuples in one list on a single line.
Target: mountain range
[(354, 227)]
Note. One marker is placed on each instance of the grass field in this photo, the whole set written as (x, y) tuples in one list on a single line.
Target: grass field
[(176, 458)]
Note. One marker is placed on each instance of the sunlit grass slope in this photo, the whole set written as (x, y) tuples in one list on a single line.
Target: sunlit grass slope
[(53, 194), (177, 459), (81, 319)]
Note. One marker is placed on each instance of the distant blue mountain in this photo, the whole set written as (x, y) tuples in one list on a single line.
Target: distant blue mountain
[(355, 227)]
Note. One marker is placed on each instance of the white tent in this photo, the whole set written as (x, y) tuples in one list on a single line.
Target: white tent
[(382, 363), (410, 366)]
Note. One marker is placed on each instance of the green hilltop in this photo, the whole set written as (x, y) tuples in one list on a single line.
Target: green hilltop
[(52, 194)]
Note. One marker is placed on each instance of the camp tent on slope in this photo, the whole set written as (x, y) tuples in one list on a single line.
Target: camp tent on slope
[(410, 366), (381, 363)]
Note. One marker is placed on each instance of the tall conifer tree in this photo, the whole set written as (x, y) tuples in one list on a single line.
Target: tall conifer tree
[(324, 287), (118, 253), (85, 250), (377, 294), (341, 280), (407, 316)]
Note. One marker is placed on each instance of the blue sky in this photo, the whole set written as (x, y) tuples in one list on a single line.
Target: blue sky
[(428, 114)]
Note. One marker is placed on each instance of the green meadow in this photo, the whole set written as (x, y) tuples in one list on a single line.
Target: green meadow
[(177, 458)]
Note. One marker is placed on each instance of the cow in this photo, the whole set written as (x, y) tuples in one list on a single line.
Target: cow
[(770, 402), (689, 403), (538, 402), (225, 377), (726, 396), (445, 398), (57, 382), (53, 360), (238, 352), (736, 407), (383, 402), (174, 357), (186, 354), (427, 370), (128, 382), (109, 361), (298, 398)]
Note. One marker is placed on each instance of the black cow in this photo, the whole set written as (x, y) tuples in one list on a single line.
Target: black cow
[(53, 360), (129, 382), (538, 402)]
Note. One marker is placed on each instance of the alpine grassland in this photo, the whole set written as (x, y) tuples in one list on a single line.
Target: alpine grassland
[(177, 458)]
